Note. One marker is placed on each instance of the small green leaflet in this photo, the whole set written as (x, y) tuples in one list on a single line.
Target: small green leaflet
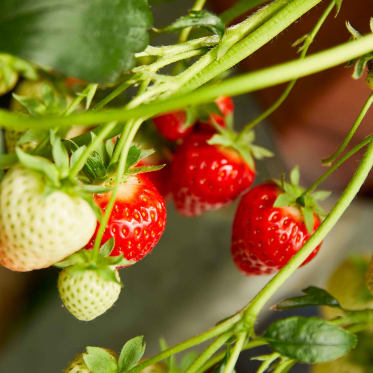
[(200, 18), (107, 247), (62, 34), (309, 340), (314, 296), (99, 360), (132, 351)]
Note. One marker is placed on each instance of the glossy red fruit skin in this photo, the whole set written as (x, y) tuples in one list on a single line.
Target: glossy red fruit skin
[(137, 221), (226, 106), (264, 237), (161, 179), (206, 177), (171, 125)]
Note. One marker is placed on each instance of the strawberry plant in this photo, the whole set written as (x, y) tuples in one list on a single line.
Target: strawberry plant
[(111, 124)]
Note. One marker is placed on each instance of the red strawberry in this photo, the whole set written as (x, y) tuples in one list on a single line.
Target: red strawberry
[(226, 106), (207, 177), (161, 179), (137, 221), (265, 237), (172, 125)]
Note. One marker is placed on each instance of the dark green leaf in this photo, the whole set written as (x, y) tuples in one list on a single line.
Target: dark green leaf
[(107, 247), (39, 164), (314, 297), (309, 340), (99, 360), (201, 18), (131, 353), (94, 40)]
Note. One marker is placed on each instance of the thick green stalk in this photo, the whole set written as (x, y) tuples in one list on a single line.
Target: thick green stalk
[(307, 43), (235, 353), (352, 131), (215, 359), (190, 79), (209, 334), (194, 77), (235, 86), (252, 310), (210, 350), (238, 8)]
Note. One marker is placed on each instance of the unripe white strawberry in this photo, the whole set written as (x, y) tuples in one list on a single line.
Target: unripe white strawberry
[(38, 230), (87, 294)]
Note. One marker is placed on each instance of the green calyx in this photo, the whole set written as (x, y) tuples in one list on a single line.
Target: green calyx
[(242, 143), (295, 195), (100, 165), (103, 264)]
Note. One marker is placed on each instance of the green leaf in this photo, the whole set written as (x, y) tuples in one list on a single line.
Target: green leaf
[(99, 360), (39, 164), (131, 353), (284, 200), (33, 105), (295, 175), (309, 340), (94, 40), (313, 297), (107, 247), (201, 18), (77, 154), (133, 156), (89, 93), (308, 218), (144, 169), (60, 155)]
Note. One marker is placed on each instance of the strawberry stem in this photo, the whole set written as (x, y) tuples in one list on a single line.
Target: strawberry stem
[(307, 43), (328, 161)]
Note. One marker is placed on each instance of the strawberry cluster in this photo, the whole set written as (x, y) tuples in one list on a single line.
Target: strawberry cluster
[(211, 166)]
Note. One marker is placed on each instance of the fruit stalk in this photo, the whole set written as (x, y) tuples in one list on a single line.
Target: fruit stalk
[(252, 310)]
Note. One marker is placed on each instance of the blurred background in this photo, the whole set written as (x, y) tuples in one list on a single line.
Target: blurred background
[(189, 282)]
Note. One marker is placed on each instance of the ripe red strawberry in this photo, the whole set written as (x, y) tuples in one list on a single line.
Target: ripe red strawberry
[(265, 237), (137, 221), (226, 106), (172, 125), (207, 177)]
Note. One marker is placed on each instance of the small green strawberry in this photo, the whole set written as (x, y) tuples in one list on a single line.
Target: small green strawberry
[(347, 284), (86, 293)]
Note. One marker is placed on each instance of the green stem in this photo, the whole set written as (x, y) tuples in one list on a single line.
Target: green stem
[(215, 359), (91, 147), (285, 16), (240, 7), (337, 164), (127, 136), (210, 350), (115, 93), (284, 366), (194, 77), (252, 310), (307, 43), (78, 100), (235, 86), (209, 334), (235, 353), (351, 133), (184, 34)]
